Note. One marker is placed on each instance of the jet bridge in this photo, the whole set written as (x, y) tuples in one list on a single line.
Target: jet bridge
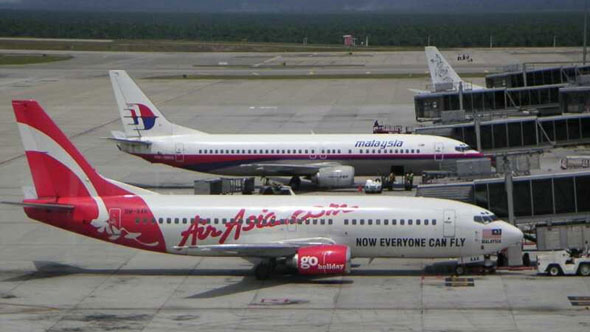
[(518, 133), (536, 198), (542, 99), (527, 75)]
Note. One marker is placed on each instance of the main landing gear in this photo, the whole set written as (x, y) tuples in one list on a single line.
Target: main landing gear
[(264, 269), (295, 182)]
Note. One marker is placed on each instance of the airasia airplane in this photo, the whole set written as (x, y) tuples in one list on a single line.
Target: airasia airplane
[(311, 234), (441, 72), (328, 160)]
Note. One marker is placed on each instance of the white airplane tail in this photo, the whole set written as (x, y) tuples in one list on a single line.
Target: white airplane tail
[(140, 117), (440, 70)]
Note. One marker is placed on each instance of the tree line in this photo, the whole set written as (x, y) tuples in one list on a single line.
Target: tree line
[(385, 29)]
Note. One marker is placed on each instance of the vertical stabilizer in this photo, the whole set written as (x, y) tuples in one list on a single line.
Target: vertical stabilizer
[(57, 167), (140, 117), (440, 70)]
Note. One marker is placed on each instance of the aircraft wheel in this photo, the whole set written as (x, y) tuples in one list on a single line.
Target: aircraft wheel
[(553, 270), (584, 270), (459, 270), (262, 271), (295, 182)]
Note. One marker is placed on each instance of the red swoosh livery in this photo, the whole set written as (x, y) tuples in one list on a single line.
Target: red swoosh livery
[(312, 234)]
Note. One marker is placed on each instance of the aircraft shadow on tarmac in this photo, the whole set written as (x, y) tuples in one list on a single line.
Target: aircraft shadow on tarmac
[(45, 269)]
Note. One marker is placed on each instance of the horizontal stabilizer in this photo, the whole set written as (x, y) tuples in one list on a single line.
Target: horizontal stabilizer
[(46, 206)]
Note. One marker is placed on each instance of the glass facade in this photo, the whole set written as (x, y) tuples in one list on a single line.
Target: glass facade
[(527, 132), (430, 106), (536, 196), (547, 76)]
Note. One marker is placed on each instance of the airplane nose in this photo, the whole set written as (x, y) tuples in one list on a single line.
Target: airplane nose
[(512, 235)]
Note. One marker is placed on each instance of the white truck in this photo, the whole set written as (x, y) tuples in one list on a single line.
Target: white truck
[(562, 262), (373, 186)]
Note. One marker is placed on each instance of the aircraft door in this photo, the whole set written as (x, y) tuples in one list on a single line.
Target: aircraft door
[(115, 220), (179, 152), (438, 151), (449, 223)]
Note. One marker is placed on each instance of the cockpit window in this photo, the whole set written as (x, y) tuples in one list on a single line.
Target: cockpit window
[(462, 148), (485, 217)]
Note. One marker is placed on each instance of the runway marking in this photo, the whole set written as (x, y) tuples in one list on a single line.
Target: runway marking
[(266, 61), (579, 301), (459, 282)]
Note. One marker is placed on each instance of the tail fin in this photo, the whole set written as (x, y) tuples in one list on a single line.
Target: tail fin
[(140, 117), (58, 169), (440, 70)]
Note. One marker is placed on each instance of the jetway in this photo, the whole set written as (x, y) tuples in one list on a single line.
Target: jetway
[(527, 75), (542, 99), (560, 196), (519, 133)]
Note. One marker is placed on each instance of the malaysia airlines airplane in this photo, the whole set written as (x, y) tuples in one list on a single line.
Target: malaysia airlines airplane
[(442, 73), (327, 160), (312, 234)]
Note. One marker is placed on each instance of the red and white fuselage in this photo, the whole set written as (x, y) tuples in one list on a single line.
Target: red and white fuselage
[(318, 232)]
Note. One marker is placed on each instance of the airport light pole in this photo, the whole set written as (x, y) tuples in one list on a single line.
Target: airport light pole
[(585, 30)]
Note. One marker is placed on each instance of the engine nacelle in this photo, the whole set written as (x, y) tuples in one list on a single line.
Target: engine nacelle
[(322, 259), (334, 177)]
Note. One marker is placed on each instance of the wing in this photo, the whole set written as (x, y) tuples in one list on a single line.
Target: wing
[(264, 250), (289, 169)]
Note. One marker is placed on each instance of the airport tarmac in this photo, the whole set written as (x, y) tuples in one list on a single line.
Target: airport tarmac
[(51, 280)]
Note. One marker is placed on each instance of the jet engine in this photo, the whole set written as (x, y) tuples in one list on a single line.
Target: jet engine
[(322, 259), (334, 177)]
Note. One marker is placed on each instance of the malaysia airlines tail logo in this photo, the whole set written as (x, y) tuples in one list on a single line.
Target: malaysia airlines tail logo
[(141, 112)]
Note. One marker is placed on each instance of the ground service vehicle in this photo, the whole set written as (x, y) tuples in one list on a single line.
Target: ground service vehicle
[(563, 262)]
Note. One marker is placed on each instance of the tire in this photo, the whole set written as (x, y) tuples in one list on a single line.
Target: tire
[(584, 270), (459, 270), (262, 271), (554, 270)]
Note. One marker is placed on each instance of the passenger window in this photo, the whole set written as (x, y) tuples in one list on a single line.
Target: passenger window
[(323, 221), (153, 220), (354, 221), (216, 221), (378, 222), (161, 220), (223, 221), (370, 222), (306, 151), (395, 150), (418, 222), (393, 221), (315, 221), (346, 221), (418, 151), (349, 151), (168, 220), (329, 221), (184, 220), (425, 221), (409, 221), (362, 221), (401, 221), (433, 222), (385, 222), (137, 220)]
